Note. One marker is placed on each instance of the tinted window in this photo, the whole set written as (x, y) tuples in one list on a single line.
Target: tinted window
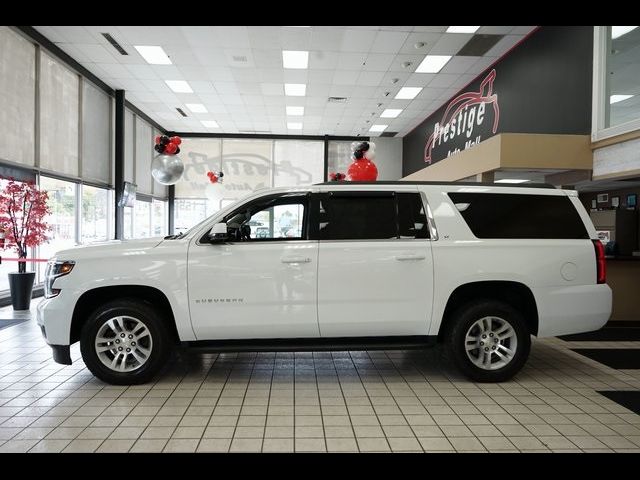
[(357, 217), (412, 218), (503, 215)]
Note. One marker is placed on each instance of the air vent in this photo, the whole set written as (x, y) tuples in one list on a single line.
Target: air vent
[(239, 58), (479, 45), (388, 134), (115, 44), (181, 112), (337, 100)]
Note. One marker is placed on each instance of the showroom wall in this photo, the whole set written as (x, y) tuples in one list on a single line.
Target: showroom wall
[(542, 86), (58, 131)]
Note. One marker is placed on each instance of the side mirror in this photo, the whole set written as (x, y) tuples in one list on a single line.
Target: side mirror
[(218, 233)]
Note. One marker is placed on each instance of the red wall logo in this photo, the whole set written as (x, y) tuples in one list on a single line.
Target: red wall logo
[(463, 114)]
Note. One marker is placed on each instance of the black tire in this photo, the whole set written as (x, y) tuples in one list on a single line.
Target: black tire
[(462, 321), (143, 312)]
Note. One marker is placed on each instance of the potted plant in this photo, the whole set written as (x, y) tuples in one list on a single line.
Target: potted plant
[(22, 210)]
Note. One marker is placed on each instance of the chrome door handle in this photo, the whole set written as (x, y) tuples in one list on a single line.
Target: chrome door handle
[(295, 259), (404, 258)]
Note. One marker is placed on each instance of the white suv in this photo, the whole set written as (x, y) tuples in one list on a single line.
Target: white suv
[(477, 267)]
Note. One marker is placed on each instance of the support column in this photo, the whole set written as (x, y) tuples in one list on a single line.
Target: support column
[(172, 208), (119, 160), (326, 158)]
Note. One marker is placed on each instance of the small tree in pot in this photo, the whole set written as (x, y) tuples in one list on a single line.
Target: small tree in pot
[(22, 210)]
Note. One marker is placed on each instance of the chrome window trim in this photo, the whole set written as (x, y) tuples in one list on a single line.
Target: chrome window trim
[(433, 231)]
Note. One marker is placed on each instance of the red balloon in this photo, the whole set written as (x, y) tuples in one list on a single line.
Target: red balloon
[(158, 138), (363, 170), (170, 148), (177, 140)]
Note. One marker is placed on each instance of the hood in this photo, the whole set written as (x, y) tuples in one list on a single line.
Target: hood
[(109, 248)]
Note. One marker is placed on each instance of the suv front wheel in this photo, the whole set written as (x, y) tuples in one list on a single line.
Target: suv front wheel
[(489, 341), (125, 342)]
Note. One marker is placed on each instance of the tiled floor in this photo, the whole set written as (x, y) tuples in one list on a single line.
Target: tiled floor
[(400, 401)]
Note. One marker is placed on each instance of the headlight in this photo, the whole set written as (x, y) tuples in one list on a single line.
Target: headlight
[(55, 269)]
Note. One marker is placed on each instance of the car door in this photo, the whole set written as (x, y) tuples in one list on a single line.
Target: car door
[(262, 283), (375, 271)]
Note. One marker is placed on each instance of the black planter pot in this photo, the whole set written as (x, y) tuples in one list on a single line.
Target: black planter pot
[(21, 286)]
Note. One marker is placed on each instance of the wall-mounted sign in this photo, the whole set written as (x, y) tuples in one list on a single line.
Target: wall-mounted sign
[(543, 86), (465, 123), (604, 236)]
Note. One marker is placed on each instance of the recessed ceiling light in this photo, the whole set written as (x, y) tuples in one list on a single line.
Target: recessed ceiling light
[(294, 125), (619, 31), (618, 98), (511, 180), (295, 110), (179, 86), (196, 107), (433, 63), (391, 113), (408, 93), (153, 54), (210, 123), (295, 59), (459, 29), (378, 128), (295, 89)]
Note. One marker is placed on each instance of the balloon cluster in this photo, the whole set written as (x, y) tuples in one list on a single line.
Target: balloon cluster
[(337, 177), (167, 146), (362, 169), (215, 177)]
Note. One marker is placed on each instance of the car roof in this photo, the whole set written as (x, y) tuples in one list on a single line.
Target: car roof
[(455, 184)]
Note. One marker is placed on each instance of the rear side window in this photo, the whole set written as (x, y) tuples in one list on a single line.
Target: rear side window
[(505, 215), (371, 216), (357, 217)]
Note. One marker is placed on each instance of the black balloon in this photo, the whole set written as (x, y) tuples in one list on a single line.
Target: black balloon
[(220, 175), (177, 150), (159, 148), (164, 140)]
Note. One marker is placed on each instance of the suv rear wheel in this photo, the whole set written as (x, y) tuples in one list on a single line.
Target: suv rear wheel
[(489, 341), (125, 342)]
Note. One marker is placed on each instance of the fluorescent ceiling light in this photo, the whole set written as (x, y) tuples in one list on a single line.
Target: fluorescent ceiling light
[(378, 128), (153, 54), (295, 110), (179, 86), (295, 59), (459, 29), (295, 89), (618, 98), (391, 113), (294, 125), (433, 63), (196, 107), (408, 93), (618, 31), (210, 123), (511, 180)]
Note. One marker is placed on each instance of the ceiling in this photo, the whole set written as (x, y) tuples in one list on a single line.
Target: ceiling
[(237, 73)]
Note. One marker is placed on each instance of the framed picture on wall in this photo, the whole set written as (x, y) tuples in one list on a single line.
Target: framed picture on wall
[(603, 197), (632, 200), (615, 202)]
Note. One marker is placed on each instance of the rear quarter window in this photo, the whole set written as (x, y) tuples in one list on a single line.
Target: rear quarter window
[(506, 215)]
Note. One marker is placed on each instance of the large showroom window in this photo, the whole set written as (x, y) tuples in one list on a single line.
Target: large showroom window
[(142, 219), (248, 165), (97, 214), (159, 217), (339, 157), (616, 81), (62, 219), (8, 252)]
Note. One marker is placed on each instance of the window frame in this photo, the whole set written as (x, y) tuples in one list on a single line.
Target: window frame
[(600, 97)]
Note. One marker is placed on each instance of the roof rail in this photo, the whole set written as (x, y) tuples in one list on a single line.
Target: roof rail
[(415, 182)]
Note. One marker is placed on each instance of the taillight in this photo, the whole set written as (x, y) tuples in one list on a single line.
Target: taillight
[(601, 264)]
